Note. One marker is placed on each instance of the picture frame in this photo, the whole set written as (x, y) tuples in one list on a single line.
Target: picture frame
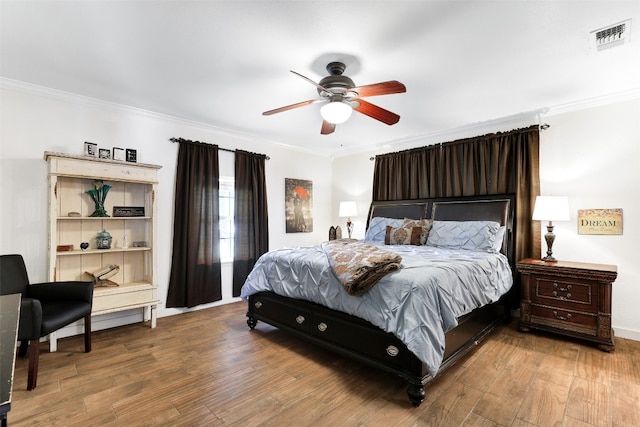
[(118, 154), (600, 221), (127, 211), (90, 149), (132, 155), (298, 205), (104, 153)]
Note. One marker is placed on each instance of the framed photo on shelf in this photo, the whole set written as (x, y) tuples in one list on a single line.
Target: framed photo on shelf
[(132, 155), (118, 153), (90, 149), (104, 153)]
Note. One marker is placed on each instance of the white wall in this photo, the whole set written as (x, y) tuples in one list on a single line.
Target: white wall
[(592, 156), (589, 154), (34, 120)]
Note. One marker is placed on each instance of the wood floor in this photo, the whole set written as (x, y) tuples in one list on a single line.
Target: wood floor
[(206, 368)]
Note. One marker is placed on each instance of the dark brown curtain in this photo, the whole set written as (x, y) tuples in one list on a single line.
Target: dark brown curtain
[(195, 266), (491, 164), (251, 223)]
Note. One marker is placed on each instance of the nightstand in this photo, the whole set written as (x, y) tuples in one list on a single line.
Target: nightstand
[(569, 298)]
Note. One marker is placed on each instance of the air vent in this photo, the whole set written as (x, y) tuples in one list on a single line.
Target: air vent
[(611, 36)]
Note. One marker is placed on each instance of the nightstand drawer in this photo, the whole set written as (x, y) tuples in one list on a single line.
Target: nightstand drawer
[(565, 293), (564, 319)]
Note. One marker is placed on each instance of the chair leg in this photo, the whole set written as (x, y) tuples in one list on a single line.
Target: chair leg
[(24, 345), (87, 333), (34, 356)]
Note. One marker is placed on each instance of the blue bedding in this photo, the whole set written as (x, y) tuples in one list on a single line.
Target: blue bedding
[(417, 303)]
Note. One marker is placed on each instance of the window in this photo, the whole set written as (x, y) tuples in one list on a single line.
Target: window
[(226, 199)]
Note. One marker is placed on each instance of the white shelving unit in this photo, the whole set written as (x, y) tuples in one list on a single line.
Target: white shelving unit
[(132, 185)]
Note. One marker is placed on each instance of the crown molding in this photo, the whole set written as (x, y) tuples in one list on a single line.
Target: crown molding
[(60, 95), (451, 134), (598, 101)]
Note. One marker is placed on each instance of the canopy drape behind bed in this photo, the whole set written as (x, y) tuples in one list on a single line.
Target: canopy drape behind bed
[(499, 163)]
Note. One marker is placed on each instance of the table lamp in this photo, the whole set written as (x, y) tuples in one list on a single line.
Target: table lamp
[(551, 208), (348, 209)]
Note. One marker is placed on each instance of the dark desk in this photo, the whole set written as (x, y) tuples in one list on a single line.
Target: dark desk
[(9, 316)]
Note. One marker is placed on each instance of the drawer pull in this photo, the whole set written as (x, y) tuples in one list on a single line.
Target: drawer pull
[(322, 326), (300, 319), (555, 294), (568, 288), (567, 317), (392, 351), (258, 304)]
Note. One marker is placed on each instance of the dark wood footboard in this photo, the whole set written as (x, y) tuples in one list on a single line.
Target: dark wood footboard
[(360, 340)]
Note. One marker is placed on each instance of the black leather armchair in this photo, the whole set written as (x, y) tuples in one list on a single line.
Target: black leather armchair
[(45, 308)]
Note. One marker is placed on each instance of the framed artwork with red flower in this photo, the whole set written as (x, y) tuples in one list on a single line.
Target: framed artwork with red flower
[(298, 205)]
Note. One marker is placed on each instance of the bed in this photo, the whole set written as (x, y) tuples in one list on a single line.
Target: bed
[(296, 290)]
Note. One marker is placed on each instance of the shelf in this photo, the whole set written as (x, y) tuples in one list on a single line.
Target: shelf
[(122, 288), (130, 185), (102, 251), (94, 218)]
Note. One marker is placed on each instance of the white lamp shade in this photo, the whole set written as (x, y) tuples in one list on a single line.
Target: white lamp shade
[(336, 112), (348, 209), (551, 208)]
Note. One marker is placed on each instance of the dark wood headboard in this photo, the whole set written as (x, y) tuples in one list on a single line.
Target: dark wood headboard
[(499, 208)]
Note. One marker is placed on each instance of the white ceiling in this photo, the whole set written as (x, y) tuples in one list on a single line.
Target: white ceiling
[(223, 63)]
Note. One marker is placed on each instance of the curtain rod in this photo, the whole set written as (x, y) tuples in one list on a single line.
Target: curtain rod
[(542, 126), (188, 141)]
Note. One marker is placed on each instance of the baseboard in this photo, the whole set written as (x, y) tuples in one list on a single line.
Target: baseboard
[(104, 321), (629, 334)]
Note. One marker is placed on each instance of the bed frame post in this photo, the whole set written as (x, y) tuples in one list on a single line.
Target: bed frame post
[(416, 394)]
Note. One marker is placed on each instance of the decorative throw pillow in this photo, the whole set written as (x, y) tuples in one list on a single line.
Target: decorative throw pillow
[(402, 235), (469, 235), (425, 224), (378, 228)]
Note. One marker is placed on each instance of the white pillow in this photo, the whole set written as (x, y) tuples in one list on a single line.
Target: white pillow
[(378, 228), (499, 238), (468, 235)]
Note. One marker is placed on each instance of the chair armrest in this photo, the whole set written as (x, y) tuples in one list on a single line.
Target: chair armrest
[(62, 291), (30, 319)]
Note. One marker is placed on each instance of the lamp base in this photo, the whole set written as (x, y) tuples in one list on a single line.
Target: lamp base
[(349, 227), (549, 237)]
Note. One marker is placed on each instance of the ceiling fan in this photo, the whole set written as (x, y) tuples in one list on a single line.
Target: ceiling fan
[(342, 96)]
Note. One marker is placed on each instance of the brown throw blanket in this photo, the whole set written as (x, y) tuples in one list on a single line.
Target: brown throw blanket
[(359, 265)]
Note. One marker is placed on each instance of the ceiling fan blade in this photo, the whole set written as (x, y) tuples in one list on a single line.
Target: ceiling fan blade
[(311, 81), (291, 107), (378, 113), (383, 88), (327, 128)]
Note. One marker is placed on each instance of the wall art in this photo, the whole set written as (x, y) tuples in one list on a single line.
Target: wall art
[(599, 221), (298, 205)]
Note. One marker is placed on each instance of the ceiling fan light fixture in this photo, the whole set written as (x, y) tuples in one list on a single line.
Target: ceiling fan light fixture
[(336, 112)]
